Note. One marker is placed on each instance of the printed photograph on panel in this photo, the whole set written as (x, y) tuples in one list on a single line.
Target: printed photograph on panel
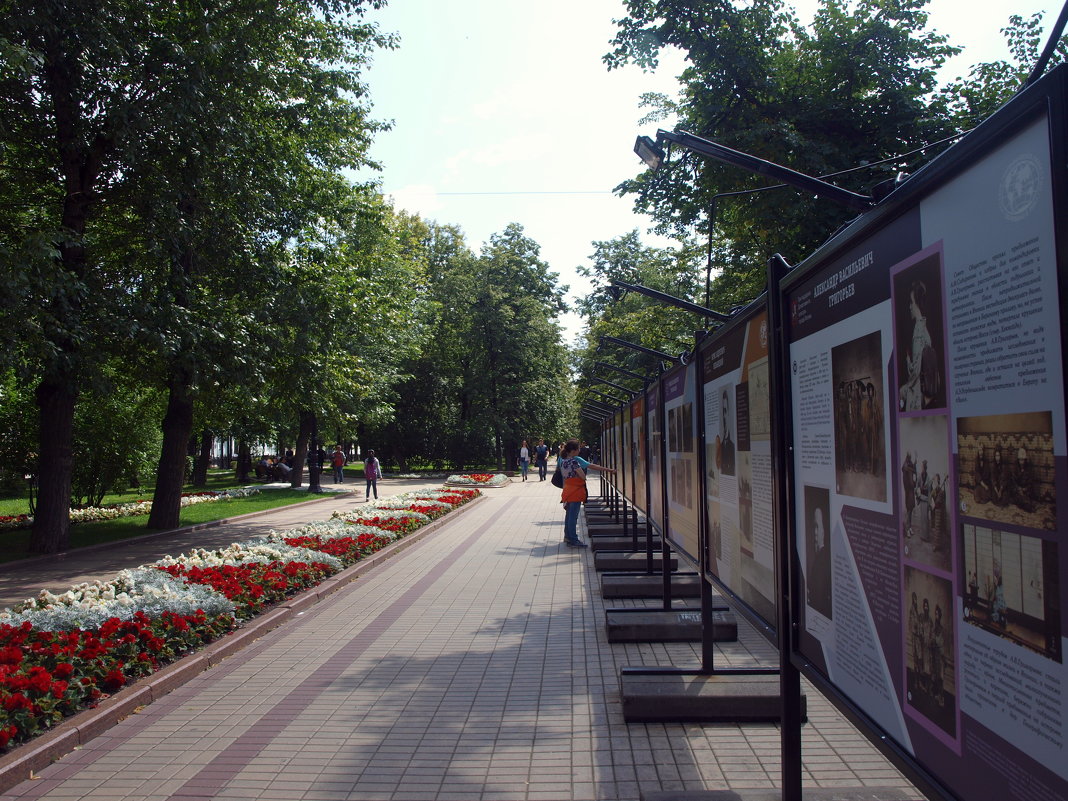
[(919, 345), (1007, 469), (681, 483), (724, 444), (745, 500), (1012, 588), (759, 401), (926, 497), (686, 421), (715, 533), (859, 424), (930, 649), (818, 550)]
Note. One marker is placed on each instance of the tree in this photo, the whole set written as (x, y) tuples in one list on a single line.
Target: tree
[(856, 88), (342, 325), (215, 106), (971, 100), (492, 370)]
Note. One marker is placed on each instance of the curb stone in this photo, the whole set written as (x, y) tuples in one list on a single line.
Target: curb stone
[(75, 731)]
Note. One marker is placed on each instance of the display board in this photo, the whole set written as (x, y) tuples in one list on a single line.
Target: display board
[(929, 466), (654, 457), (636, 460), (741, 539), (616, 478), (683, 485)]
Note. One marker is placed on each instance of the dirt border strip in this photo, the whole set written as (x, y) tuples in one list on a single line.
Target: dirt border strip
[(73, 732)]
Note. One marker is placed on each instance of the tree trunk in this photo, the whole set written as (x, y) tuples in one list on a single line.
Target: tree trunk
[(200, 469), (79, 168), (244, 461), (51, 524), (170, 475), (300, 457)]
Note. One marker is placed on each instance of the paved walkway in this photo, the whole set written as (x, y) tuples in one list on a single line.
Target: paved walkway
[(472, 665)]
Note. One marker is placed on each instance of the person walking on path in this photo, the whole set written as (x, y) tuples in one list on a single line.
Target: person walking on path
[(337, 461), (541, 458), (573, 468), (372, 472), (524, 459)]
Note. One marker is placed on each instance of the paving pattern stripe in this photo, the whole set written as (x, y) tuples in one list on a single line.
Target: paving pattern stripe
[(227, 764), (75, 762)]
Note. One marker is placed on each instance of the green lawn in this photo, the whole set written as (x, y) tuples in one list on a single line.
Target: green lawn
[(14, 543)]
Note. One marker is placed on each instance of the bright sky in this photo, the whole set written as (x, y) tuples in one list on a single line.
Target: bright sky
[(504, 112)]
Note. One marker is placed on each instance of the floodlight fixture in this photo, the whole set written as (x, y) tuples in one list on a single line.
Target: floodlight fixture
[(649, 152)]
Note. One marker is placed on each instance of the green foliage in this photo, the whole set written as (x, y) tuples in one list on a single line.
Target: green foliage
[(116, 439), (989, 85), (491, 371), (854, 88)]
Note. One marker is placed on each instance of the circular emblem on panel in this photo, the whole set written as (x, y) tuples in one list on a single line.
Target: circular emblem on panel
[(1020, 187)]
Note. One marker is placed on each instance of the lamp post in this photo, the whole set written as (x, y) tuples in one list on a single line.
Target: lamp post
[(671, 300), (623, 370), (608, 397), (598, 380), (641, 348), (653, 156)]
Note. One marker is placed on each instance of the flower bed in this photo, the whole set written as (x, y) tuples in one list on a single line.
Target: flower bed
[(131, 508), (478, 480), (63, 653)]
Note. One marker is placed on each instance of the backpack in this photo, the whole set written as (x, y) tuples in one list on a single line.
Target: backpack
[(930, 375), (558, 477)]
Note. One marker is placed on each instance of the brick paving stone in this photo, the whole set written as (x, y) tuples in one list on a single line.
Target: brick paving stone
[(473, 664)]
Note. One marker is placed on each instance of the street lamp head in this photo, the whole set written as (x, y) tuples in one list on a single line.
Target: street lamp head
[(614, 292), (649, 152)]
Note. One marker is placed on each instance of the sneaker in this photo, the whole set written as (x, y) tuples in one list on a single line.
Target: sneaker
[(576, 544)]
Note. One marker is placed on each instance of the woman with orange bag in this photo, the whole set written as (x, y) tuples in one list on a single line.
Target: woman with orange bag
[(573, 468)]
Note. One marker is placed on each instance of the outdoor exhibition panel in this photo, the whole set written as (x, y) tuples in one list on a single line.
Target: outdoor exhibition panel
[(616, 479), (636, 457), (654, 458), (925, 349), (741, 543), (683, 486)]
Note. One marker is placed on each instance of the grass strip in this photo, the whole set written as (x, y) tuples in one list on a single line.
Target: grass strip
[(14, 544)]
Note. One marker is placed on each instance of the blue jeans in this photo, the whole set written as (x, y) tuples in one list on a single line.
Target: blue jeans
[(543, 467), (524, 465), (372, 484), (571, 514), (339, 473)]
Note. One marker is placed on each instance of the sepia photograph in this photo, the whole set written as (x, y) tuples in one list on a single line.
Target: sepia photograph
[(927, 512), (930, 648), (818, 583), (859, 421), (1012, 588), (1007, 472), (919, 340), (725, 447)]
